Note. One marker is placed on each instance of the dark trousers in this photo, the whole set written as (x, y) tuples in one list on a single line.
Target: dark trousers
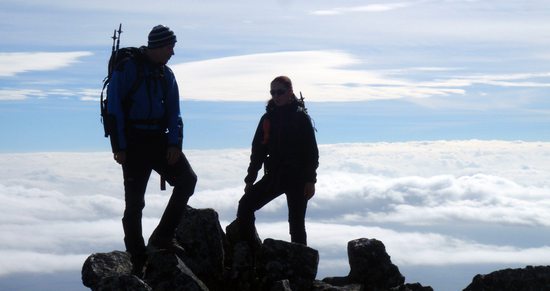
[(264, 191), (147, 152)]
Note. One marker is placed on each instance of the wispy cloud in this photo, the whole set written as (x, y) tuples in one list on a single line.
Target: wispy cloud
[(381, 7), (329, 76), (323, 75), (18, 62)]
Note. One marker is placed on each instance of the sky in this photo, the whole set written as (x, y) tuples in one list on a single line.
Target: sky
[(432, 118)]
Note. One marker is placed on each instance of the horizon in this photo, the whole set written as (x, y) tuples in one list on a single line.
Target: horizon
[(433, 117)]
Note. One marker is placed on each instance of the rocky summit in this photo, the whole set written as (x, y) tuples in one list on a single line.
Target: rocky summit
[(212, 259)]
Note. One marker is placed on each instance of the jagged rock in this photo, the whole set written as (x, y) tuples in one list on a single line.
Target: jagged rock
[(412, 287), (203, 239), (283, 285), (527, 279), (102, 265), (210, 260), (337, 281), (164, 271), (371, 266), (122, 283), (324, 286), (242, 275), (280, 260)]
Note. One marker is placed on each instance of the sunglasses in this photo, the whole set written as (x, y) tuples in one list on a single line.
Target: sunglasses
[(277, 92)]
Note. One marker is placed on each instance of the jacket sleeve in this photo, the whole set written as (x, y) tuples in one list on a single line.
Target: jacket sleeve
[(118, 87), (311, 151), (175, 126), (258, 154)]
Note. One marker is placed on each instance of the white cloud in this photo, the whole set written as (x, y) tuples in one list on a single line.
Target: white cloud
[(381, 7), (431, 203), (19, 94), (19, 62), (330, 76), (321, 75)]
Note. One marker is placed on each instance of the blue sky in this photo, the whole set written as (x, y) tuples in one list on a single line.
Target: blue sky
[(434, 113), (395, 71)]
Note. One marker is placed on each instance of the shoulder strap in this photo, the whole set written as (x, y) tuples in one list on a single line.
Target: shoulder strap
[(127, 101)]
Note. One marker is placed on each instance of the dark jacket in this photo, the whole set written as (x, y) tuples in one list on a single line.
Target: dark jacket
[(284, 142), (153, 106)]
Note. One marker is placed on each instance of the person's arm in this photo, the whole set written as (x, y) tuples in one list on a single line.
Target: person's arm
[(173, 109), (258, 154), (175, 124), (311, 151)]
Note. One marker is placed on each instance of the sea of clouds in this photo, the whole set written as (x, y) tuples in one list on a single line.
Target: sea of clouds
[(433, 203)]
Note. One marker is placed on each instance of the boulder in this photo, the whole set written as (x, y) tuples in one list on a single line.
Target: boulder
[(371, 266), (102, 265), (122, 283), (164, 271), (201, 235), (526, 279), (280, 260), (210, 260)]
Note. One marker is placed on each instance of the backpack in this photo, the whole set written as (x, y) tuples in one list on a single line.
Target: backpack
[(117, 60)]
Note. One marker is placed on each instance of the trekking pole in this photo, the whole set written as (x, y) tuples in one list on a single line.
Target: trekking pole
[(114, 41), (119, 32)]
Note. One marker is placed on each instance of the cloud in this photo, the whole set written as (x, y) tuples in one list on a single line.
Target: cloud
[(332, 76), (24, 94), (19, 94), (432, 203), (321, 75), (381, 7), (12, 64)]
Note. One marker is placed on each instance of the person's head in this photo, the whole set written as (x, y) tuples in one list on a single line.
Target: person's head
[(281, 91), (160, 46)]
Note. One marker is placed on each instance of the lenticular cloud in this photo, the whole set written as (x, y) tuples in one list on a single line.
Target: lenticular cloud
[(431, 203)]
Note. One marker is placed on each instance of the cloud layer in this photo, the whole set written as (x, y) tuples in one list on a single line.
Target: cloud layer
[(432, 203)]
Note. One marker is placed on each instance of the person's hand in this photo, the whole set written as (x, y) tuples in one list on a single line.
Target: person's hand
[(173, 154), (120, 157), (309, 190), (247, 187)]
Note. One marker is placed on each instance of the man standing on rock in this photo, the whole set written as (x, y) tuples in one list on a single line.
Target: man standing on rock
[(146, 135)]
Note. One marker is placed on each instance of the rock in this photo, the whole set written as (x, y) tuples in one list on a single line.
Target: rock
[(371, 266), (233, 235), (324, 286), (164, 271), (203, 239), (210, 260), (412, 287), (527, 279), (337, 281), (242, 275), (283, 285), (102, 265), (122, 283), (279, 260)]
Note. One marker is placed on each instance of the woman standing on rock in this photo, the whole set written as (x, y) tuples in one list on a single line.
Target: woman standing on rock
[(284, 143)]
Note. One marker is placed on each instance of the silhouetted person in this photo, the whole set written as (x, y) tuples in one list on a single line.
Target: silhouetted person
[(148, 137), (284, 143)]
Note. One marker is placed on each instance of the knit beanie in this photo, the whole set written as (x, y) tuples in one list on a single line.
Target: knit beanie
[(160, 36)]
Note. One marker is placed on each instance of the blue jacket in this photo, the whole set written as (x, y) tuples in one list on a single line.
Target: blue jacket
[(146, 104)]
